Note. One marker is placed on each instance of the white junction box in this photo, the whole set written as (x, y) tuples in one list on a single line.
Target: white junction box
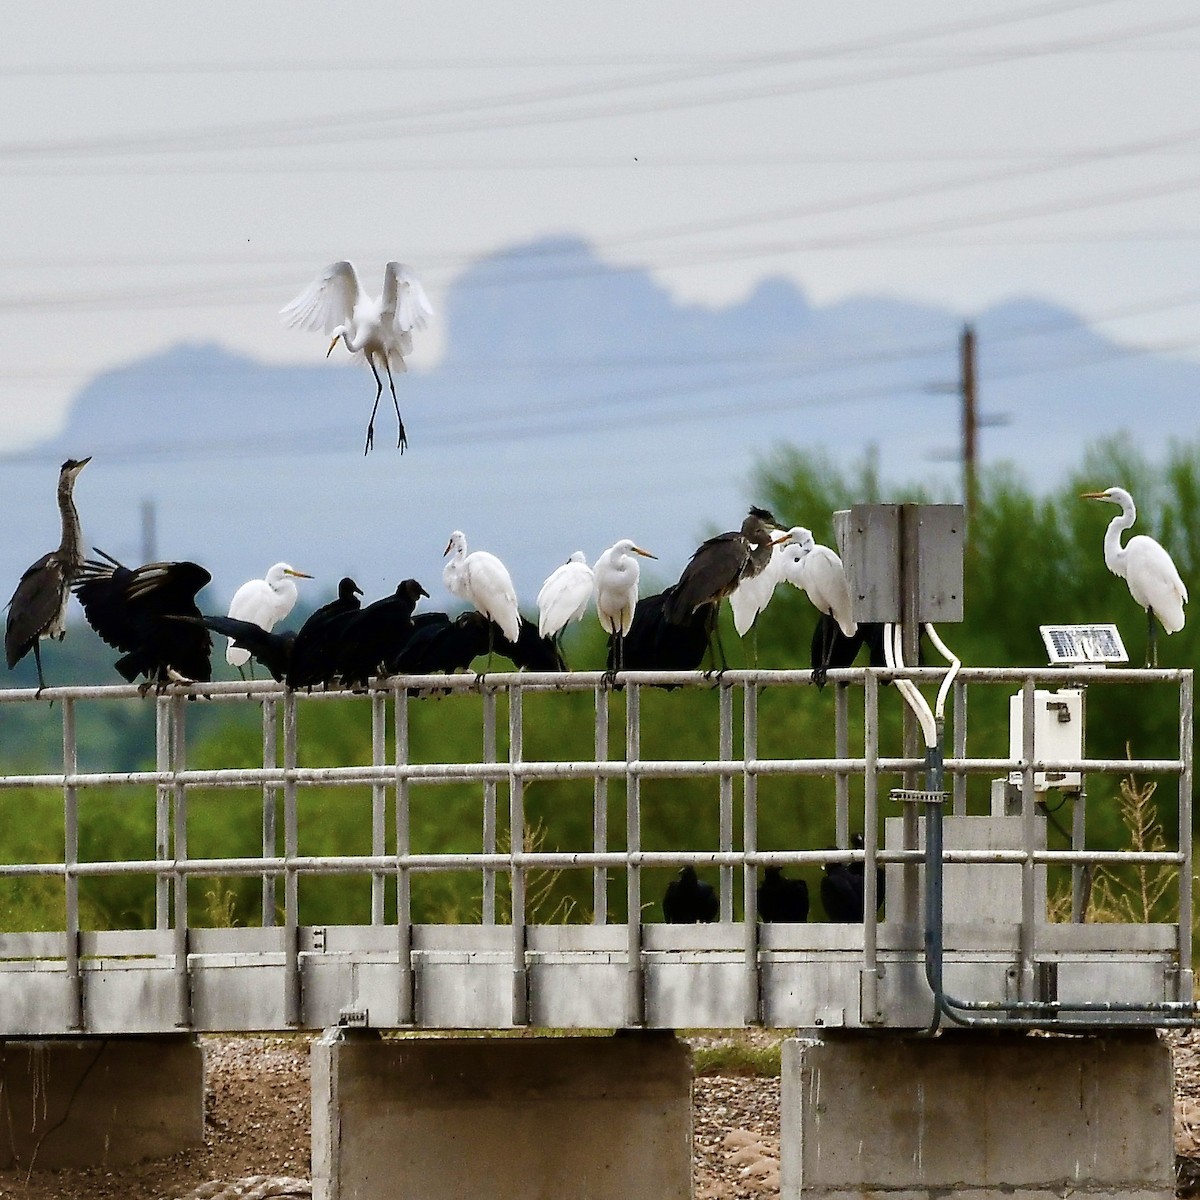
[(1057, 734)]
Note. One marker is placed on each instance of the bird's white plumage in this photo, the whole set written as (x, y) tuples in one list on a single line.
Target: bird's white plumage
[(263, 602), (616, 575), (565, 595), (482, 580), (1146, 567), (817, 571), (754, 593)]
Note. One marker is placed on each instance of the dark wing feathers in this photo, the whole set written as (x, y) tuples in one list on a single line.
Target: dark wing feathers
[(33, 606)]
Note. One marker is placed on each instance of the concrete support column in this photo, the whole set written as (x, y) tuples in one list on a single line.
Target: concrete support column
[(99, 1101), (976, 1116), (507, 1118)]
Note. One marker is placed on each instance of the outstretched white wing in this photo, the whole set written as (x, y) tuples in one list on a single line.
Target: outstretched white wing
[(405, 304), (327, 302)]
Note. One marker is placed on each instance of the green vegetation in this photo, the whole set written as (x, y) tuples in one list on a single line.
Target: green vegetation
[(1031, 559)]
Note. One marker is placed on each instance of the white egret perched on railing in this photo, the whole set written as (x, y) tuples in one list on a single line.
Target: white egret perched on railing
[(617, 573), (565, 595), (262, 602), (483, 581), (38, 608), (1146, 567), (378, 331)]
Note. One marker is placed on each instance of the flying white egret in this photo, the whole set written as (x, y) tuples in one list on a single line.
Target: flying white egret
[(263, 602), (483, 580), (377, 331), (565, 595), (38, 608), (1146, 567), (616, 574)]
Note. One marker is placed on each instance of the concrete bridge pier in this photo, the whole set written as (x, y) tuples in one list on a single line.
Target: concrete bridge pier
[(977, 1116), (509, 1118), (96, 1101)]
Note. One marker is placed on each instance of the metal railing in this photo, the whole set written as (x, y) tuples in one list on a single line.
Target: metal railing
[(859, 793)]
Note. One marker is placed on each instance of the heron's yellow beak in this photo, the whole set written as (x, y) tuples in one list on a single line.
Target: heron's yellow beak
[(298, 574), (787, 537), (644, 553), (332, 344), (1093, 496)]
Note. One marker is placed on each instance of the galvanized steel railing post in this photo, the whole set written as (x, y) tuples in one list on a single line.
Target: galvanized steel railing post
[(841, 749), (635, 994), (292, 1006), (1028, 840), (516, 832), (1081, 873), (270, 798), (960, 747), (869, 985), (70, 859), (183, 991), (162, 811), (725, 790), (752, 994), (403, 845), (1186, 735), (378, 802), (489, 804), (600, 810)]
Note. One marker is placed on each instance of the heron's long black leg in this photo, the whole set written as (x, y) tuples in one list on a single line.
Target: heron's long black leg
[(402, 437), (37, 658), (375, 407), (1151, 640)]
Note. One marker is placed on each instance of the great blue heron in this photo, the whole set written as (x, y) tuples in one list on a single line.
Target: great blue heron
[(689, 900), (132, 609), (314, 654), (717, 567), (617, 573), (263, 602), (1146, 567), (781, 898), (378, 331), (38, 608)]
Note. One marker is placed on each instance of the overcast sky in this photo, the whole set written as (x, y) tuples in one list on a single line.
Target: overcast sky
[(178, 173)]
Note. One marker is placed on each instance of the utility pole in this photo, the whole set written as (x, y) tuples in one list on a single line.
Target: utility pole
[(970, 418), (149, 536)]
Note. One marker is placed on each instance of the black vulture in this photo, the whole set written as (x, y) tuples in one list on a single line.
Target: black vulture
[(843, 887), (315, 652), (655, 644), (131, 609), (38, 608), (440, 644), (273, 650), (688, 900), (372, 637), (781, 898)]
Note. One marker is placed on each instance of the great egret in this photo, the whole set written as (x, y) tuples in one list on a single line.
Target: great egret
[(378, 331), (817, 571), (1146, 567), (718, 566), (688, 900), (483, 581), (131, 610), (315, 652), (781, 898), (843, 887), (263, 602), (616, 576), (38, 608), (372, 637), (565, 595), (654, 644)]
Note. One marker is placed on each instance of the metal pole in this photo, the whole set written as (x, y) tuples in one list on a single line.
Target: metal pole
[(960, 747), (869, 985), (1081, 873), (1029, 833), (489, 804), (70, 859), (752, 994), (635, 1001), (516, 829), (162, 811), (1186, 733), (270, 799), (841, 749), (600, 810), (292, 1003), (378, 802), (725, 794), (183, 997), (406, 1006)]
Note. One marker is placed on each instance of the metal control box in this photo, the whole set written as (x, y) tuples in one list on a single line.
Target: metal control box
[(1057, 735)]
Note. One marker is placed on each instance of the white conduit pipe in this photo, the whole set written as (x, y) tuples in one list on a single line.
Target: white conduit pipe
[(948, 682), (913, 698)]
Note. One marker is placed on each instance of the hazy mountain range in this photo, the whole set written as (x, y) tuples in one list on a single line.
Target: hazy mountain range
[(576, 403)]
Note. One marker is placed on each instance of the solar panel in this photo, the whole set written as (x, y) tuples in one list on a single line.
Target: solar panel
[(1083, 644)]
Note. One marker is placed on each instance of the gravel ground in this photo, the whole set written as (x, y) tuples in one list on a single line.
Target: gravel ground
[(257, 1135)]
